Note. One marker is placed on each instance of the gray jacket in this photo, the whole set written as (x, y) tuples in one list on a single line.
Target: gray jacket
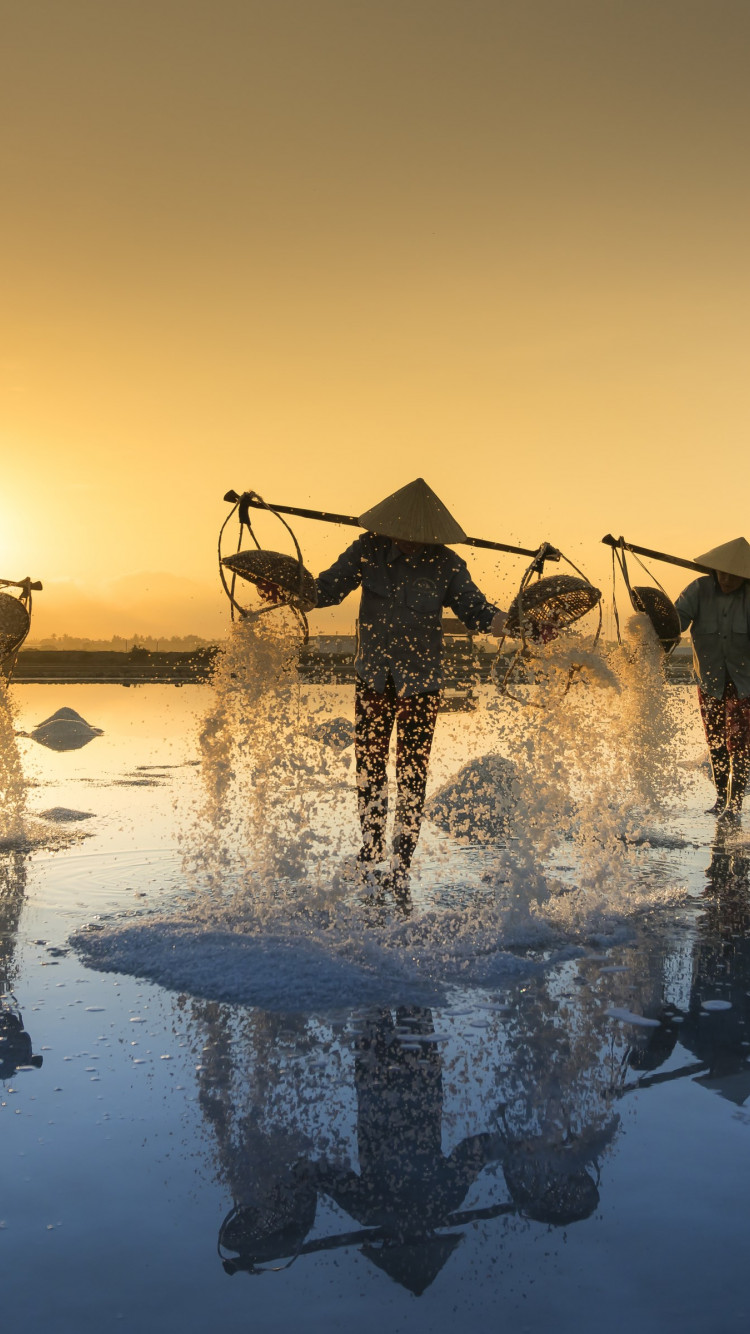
[(399, 631), (720, 630)]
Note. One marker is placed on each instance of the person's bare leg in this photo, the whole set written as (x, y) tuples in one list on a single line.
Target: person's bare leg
[(416, 719), (374, 716), (714, 715)]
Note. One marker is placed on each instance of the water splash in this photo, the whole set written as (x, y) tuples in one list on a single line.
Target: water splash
[(12, 781), (274, 920), (262, 830), (596, 766)]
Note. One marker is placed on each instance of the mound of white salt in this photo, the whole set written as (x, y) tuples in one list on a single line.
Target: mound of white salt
[(477, 804), (65, 815), (64, 730)]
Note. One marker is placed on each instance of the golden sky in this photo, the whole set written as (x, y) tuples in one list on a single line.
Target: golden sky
[(320, 247)]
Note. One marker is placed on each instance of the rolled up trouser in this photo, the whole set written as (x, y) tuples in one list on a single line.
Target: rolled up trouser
[(415, 717), (726, 722)]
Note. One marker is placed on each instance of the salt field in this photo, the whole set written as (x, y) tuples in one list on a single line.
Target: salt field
[(239, 1089)]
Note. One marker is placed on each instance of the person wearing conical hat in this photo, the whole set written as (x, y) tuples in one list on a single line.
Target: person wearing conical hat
[(716, 608), (407, 574)]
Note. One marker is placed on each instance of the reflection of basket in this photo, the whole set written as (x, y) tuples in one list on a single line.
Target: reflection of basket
[(275, 1224), (547, 1188), (278, 578), (662, 613), (556, 601), (14, 624)]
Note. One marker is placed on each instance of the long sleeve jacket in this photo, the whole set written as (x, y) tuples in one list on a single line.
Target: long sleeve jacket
[(399, 630), (720, 629)]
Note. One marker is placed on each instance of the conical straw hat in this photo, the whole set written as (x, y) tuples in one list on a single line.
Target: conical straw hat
[(413, 514), (730, 558)]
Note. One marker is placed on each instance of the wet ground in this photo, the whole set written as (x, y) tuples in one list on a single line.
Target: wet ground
[(280, 1108)]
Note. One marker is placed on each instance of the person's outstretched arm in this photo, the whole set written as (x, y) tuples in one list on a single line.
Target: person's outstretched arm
[(471, 606), (342, 577)]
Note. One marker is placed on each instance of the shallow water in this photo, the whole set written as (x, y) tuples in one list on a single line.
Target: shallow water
[(462, 1114)]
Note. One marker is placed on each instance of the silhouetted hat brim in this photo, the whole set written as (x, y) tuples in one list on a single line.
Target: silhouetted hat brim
[(413, 514), (730, 558)]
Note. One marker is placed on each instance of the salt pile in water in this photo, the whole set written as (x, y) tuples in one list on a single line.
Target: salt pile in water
[(65, 815), (65, 730), (476, 805)]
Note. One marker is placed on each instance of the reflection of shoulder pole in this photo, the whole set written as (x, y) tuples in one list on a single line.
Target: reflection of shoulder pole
[(362, 1236), (664, 1077), (611, 541), (325, 516)]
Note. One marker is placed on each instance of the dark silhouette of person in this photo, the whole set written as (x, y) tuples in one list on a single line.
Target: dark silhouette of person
[(407, 574)]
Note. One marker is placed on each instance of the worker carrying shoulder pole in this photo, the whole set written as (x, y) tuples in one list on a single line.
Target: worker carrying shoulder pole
[(717, 608), (407, 575)]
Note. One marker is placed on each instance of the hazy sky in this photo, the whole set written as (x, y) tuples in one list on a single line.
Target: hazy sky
[(320, 247)]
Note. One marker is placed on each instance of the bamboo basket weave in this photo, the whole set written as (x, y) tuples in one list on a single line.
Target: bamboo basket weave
[(661, 612), (278, 578), (555, 601), (14, 624)]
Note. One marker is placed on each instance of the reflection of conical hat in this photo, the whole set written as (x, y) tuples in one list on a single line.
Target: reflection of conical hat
[(413, 1264), (413, 514), (730, 558)]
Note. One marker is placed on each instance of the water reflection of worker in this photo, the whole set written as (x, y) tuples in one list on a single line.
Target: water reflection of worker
[(717, 1038), (407, 1190), (717, 608), (407, 575), (406, 1185), (15, 1042)]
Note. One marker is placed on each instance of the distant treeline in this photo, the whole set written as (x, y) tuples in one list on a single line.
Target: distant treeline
[(119, 644)]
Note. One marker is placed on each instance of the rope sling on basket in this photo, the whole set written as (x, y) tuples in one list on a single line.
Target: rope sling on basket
[(540, 610), (281, 580), (15, 620), (652, 602)]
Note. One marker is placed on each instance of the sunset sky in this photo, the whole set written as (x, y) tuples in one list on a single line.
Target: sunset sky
[(320, 247)]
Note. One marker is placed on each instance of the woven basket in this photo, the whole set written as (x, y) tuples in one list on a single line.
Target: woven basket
[(661, 612), (556, 601), (278, 578), (14, 623)]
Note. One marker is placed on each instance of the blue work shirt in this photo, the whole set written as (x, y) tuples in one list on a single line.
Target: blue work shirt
[(399, 629), (720, 630)]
